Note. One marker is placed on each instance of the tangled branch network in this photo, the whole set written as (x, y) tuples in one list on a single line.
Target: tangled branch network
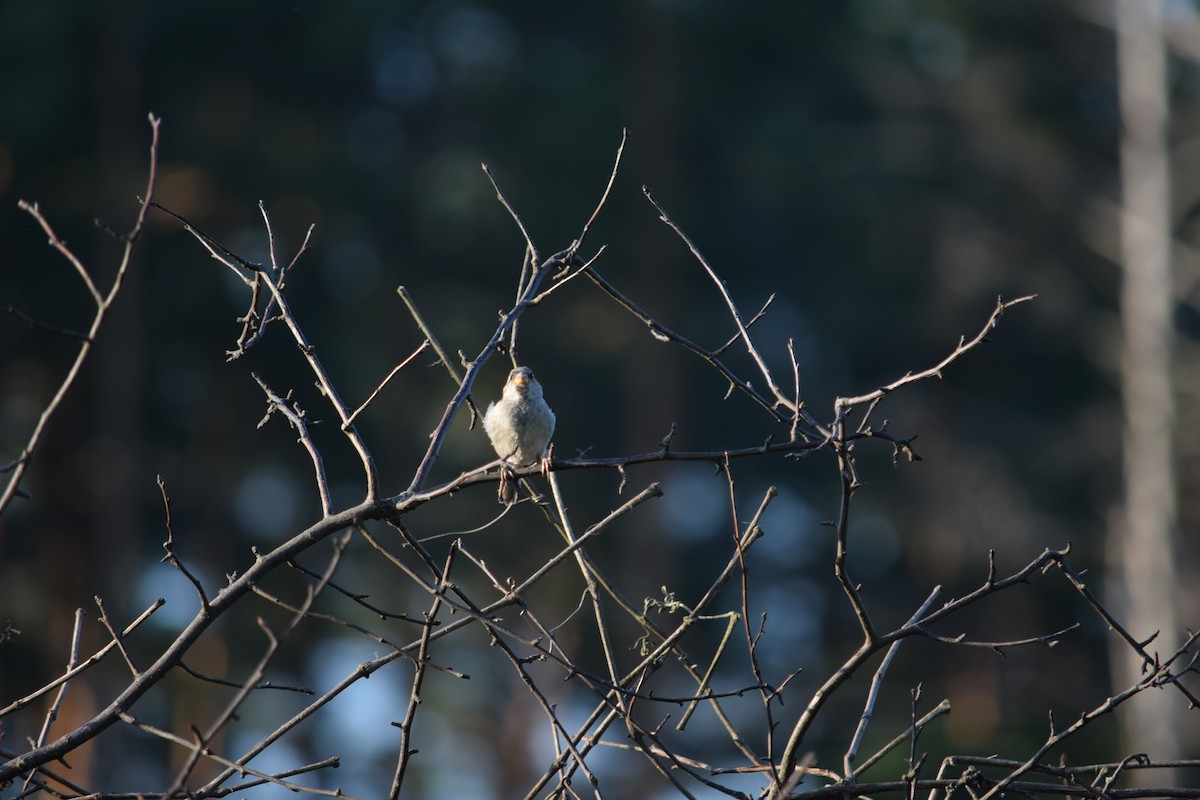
[(758, 737)]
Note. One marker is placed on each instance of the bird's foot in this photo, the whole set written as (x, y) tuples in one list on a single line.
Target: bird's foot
[(507, 490)]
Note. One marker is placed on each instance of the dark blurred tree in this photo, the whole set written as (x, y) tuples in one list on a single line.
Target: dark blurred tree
[(1146, 579)]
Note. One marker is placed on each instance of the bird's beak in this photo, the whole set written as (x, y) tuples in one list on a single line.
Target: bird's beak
[(520, 379)]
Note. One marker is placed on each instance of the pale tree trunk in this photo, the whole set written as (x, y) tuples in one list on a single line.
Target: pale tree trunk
[(1143, 576)]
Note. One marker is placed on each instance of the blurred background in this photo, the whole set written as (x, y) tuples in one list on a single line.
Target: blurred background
[(886, 168)]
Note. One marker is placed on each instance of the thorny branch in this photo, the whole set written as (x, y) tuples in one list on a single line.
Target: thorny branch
[(577, 669)]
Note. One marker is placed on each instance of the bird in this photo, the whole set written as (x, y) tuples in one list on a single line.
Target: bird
[(519, 426)]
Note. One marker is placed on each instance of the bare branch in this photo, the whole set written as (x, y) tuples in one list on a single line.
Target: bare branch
[(256, 676), (90, 661), (263, 777), (52, 714), (169, 546), (873, 693), (531, 248), (619, 664), (350, 420), (414, 697), (103, 304), (446, 361), (117, 638), (844, 404), (665, 334), (464, 389), (912, 732), (723, 288), (33, 323), (296, 419), (58, 244), (1157, 677), (612, 179)]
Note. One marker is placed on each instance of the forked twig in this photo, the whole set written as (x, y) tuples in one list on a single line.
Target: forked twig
[(873, 694), (871, 399), (169, 546), (103, 303)]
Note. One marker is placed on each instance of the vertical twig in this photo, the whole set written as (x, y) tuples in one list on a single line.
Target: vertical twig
[(414, 695), (169, 546), (52, 713), (590, 582), (873, 694)]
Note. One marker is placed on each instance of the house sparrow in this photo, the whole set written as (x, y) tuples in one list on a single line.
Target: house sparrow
[(520, 427)]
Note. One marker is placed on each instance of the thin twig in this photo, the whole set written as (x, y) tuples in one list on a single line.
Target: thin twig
[(271, 277), (33, 323), (58, 244), (237, 685), (743, 330), (169, 546), (1077, 581), (256, 676), (52, 713), (445, 359), (844, 404), (437, 438), (912, 731), (263, 777), (531, 247), (95, 658), (350, 420), (589, 580), (873, 694), (665, 334), (1155, 678), (296, 419), (876, 642), (103, 304), (414, 697), (612, 179), (117, 638)]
